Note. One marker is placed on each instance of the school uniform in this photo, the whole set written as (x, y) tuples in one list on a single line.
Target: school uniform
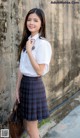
[(33, 103)]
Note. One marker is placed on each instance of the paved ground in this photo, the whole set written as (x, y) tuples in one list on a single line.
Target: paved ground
[(69, 127)]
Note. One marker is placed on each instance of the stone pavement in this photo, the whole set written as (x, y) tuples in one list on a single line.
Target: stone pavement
[(69, 127)]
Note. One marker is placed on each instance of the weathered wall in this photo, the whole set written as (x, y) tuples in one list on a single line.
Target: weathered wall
[(63, 31)]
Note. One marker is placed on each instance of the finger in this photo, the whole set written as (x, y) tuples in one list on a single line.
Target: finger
[(29, 41), (32, 41), (18, 99)]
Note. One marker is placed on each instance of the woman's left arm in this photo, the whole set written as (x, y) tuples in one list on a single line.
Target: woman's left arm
[(39, 68)]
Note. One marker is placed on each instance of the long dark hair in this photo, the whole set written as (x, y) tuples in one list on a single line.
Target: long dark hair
[(27, 33)]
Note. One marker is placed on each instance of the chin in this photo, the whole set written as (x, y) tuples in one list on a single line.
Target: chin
[(31, 30)]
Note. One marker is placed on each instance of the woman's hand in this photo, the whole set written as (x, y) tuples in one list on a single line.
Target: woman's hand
[(29, 44), (17, 96)]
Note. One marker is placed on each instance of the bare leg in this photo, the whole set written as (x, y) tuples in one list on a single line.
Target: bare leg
[(32, 128)]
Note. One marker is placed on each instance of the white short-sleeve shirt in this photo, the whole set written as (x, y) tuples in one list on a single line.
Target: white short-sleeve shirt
[(41, 53)]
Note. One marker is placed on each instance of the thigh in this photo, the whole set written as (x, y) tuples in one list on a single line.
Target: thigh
[(30, 124)]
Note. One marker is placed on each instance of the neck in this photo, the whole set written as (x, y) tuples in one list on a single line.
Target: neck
[(32, 34)]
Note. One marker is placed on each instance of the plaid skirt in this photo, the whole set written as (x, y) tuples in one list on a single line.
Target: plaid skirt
[(33, 103)]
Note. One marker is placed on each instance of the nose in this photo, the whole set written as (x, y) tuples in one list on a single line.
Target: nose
[(31, 22)]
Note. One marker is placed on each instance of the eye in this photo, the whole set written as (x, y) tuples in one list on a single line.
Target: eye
[(28, 19), (35, 20)]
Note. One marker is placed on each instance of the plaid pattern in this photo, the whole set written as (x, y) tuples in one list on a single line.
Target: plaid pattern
[(33, 104)]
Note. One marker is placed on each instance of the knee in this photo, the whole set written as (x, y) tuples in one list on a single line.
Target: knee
[(33, 132)]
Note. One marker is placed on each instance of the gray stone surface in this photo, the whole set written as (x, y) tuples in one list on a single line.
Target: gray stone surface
[(63, 32), (69, 127)]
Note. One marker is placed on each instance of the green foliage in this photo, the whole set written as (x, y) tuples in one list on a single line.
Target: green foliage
[(44, 121)]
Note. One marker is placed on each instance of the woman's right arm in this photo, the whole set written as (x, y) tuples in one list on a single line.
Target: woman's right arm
[(18, 84)]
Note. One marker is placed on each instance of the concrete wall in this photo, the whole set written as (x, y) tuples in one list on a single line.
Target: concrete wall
[(63, 31)]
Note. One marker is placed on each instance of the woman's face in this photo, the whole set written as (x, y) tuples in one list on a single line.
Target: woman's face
[(33, 23)]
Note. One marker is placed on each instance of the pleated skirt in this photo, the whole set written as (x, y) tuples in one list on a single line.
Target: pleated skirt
[(33, 102)]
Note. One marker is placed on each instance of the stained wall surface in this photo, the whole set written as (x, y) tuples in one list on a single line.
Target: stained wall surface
[(63, 32)]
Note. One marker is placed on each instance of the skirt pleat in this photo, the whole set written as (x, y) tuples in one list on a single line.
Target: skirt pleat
[(33, 103)]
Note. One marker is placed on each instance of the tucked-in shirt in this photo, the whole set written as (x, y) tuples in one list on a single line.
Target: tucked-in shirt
[(42, 54)]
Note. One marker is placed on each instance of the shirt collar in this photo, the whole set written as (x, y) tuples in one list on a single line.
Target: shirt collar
[(34, 37)]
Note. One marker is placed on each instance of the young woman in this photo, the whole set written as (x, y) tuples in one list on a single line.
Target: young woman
[(35, 56)]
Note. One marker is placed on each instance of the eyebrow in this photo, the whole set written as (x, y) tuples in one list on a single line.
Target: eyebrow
[(33, 18)]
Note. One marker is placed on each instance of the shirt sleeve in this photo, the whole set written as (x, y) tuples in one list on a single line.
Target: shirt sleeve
[(44, 53)]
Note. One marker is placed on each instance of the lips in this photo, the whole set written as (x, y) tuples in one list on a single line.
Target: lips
[(31, 27)]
